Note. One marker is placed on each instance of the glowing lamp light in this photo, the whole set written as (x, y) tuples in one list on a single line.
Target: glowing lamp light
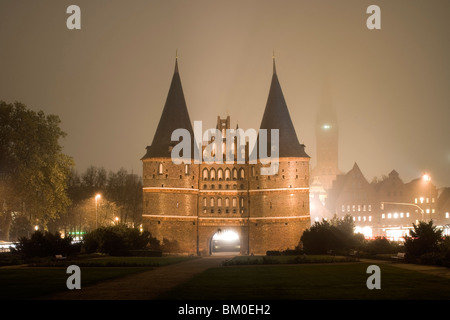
[(426, 177), (226, 235), (326, 126), (366, 231)]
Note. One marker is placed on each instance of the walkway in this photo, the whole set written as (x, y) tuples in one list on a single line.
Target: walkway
[(146, 285), (434, 270)]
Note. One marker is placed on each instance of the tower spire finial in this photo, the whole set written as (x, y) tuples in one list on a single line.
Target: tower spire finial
[(176, 61), (273, 59)]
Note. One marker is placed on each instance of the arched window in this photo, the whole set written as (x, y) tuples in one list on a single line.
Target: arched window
[(234, 202), (227, 202), (241, 173), (219, 202), (186, 169), (204, 202), (235, 174), (213, 174), (242, 202), (211, 202), (227, 174), (205, 174), (220, 174), (160, 168)]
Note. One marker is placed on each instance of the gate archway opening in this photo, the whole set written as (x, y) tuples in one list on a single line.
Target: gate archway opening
[(225, 242)]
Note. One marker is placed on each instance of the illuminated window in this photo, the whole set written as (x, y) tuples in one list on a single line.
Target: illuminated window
[(395, 215), (401, 214), (353, 207), (447, 215), (204, 202), (227, 174), (364, 207), (205, 174), (359, 218), (370, 207), (421, 199), (234, 202), (160, 168), (343, 208), (359, 207), (383, 216), (241, 173), (432, 210), (428, 210), (186, 169), (407, 214), (370, 218), (348, 208), (428, 200), (389, 216), (415, 200), (235, 174)]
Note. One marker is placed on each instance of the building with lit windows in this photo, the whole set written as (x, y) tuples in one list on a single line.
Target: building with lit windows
[(390, 207)]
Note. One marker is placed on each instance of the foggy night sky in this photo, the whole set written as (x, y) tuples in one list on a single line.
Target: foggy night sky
[(108, 81)]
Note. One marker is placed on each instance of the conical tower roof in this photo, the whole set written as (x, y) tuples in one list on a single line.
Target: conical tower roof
[(276, 116), (174, 116)]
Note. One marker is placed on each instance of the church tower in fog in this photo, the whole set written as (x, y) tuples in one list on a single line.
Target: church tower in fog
[(327, 138)]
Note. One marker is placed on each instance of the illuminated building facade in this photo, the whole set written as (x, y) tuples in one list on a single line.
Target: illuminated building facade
[(189, 207)]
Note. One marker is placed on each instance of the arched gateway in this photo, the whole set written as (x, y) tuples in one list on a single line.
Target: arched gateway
[(225, 241)]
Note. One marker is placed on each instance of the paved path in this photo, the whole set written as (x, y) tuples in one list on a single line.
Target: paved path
[(434, 270), (146, 285)]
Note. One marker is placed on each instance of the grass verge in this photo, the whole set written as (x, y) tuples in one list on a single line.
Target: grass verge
[(31, 282), (309, 282)]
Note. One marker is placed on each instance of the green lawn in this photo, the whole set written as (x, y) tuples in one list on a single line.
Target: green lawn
[(31, 282), (27, 283), (328, 281)]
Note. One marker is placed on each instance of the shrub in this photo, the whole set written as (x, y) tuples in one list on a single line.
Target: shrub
[(432, 258), (336, 235), (117, 240), (381, 245), (45, 245), (424, 238)]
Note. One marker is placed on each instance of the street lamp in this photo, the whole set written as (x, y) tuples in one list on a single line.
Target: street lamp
[(97, 197)]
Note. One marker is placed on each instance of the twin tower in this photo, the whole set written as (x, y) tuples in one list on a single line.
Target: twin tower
[(188, 206)]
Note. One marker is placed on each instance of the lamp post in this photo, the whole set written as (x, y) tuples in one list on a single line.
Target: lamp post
[(97, 197)]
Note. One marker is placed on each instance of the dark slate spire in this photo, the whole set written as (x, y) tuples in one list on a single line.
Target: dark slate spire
[(276, 116), (174, 116)]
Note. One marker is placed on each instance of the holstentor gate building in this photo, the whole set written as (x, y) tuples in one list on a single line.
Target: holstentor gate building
[(187, 204)]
